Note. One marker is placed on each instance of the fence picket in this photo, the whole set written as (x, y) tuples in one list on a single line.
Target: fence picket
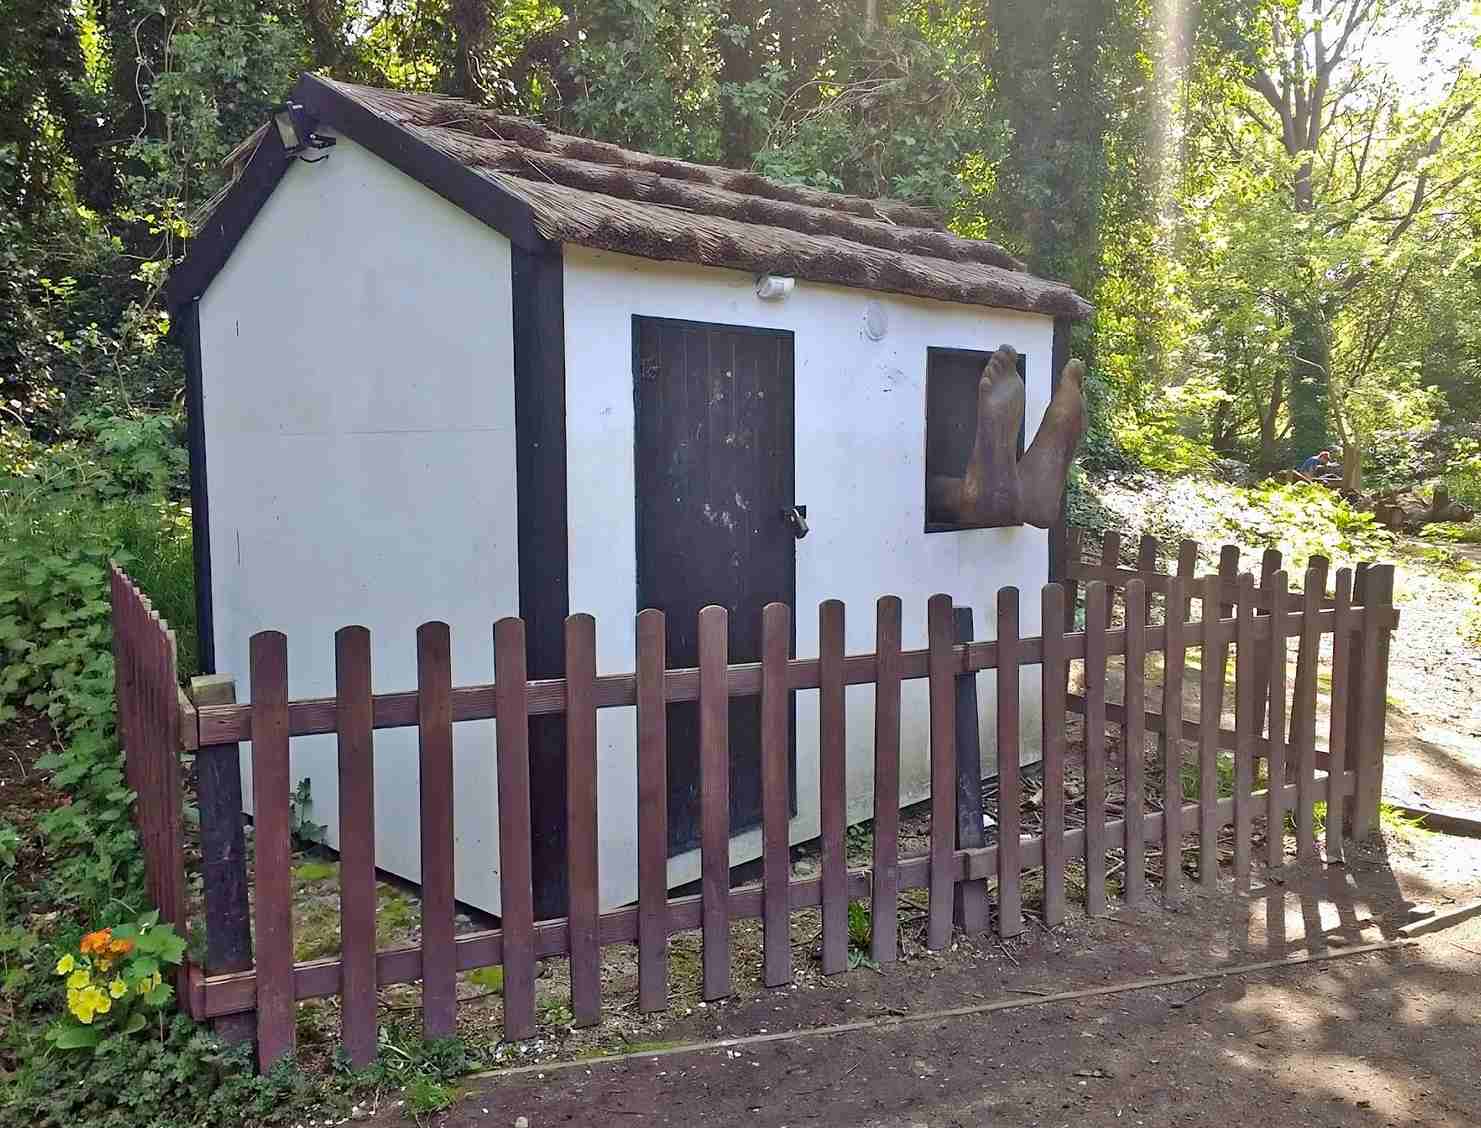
[(832, 786), (272, 870), (1146, 553), (582, 875), (652, 813), (970, 910), (435, 785), (1245, 693), (1074, 554), (776, 639), (883, 901), (714, 799), (1097, 599), (1174, 665), (1270, 564), (1010, 784), (357, 897), (1134, 742), (1275, 761), (1210, 720), (1110, 557), (1372, 693), (1303, 707), (1053, 673), (1337, 732), (940, 631), (516, 886)]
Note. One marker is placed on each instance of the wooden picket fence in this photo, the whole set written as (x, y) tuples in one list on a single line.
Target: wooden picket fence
[(149, 727), (1255, 621)]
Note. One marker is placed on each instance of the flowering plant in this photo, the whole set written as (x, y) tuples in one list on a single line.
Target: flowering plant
[(114, 979)]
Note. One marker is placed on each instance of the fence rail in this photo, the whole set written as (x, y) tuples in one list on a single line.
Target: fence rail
[(1253, 621)]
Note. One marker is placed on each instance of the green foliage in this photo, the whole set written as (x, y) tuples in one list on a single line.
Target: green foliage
[(426, 1095), (177, 1077), (489, 978), (301, 825), (1453, 532), (1305, 520), (65, 511)]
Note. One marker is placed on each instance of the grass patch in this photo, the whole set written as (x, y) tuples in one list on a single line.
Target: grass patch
[(426, 1095), (315, 871)]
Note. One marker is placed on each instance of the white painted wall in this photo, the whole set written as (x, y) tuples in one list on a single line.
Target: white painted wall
[(359, 416), (860, 448)]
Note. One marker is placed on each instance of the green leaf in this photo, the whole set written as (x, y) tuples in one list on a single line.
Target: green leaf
[(69, 1036), (135, 1023)]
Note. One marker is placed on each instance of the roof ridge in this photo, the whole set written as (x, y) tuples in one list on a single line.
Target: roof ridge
[(409, 108)]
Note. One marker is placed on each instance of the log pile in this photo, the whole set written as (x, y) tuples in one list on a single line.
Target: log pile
[(1405, 511)]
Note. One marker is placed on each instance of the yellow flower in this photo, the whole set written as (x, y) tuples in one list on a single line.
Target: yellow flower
[(66, 964), (103, 1004), (118, 988), (79, 979), (80, 1003)]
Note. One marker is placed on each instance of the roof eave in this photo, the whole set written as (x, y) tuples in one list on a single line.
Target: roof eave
[(213, 244)]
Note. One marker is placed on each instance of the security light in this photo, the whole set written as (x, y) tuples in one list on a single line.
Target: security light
[(287, 128)]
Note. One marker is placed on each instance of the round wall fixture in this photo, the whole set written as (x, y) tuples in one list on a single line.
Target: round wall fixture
[(876, 321), (774, 287)]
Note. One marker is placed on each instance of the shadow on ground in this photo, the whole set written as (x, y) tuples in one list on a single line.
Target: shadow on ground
[(1384, 1038)]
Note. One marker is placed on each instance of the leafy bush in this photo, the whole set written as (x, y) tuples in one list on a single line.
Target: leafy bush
[(178, 1079), (65, 511)]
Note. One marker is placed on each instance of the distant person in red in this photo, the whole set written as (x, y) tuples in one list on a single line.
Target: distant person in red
[(1316, 467)]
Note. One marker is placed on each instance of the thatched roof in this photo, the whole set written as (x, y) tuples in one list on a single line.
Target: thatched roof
[(541, 187), (600, 195)]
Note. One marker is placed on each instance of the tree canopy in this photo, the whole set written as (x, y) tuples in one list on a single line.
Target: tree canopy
[(1272, 203)]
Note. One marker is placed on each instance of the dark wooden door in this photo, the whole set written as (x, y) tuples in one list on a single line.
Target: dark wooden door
[(714, 460)]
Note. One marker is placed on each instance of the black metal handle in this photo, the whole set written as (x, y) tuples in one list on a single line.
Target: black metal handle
[(796, 517)]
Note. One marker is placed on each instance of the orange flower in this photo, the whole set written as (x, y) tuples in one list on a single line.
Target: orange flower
[(96, 941), (120, 947)]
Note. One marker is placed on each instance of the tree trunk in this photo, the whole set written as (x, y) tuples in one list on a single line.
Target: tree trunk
[(1310, 365)]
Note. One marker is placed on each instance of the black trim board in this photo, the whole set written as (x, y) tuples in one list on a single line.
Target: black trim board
[(455, 182), (484, 200), (213, 244), (538, 287), (1059, 533), (200, 497)]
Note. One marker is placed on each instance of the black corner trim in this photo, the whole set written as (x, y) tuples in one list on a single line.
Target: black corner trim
[(215, 241), (200, 505), (538, 311), (1059, 533), (455, 182), (540, 426)]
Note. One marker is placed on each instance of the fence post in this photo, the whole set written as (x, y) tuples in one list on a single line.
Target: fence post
[(1370, 698), (223, 855), (970, 902)]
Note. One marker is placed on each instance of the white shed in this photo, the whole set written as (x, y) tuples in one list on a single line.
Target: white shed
[(447, 364)]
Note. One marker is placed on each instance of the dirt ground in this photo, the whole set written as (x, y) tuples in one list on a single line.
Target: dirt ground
[(1387, 1038), (1434, 725)]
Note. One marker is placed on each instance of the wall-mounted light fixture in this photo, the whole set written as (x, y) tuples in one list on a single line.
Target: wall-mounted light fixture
[(296, 132), (774, 287)]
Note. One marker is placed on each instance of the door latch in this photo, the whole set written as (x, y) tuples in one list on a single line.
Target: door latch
[(796, 518)]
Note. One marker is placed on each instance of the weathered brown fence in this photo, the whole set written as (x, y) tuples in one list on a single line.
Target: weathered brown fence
[(1255, 621), (149, 710)]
